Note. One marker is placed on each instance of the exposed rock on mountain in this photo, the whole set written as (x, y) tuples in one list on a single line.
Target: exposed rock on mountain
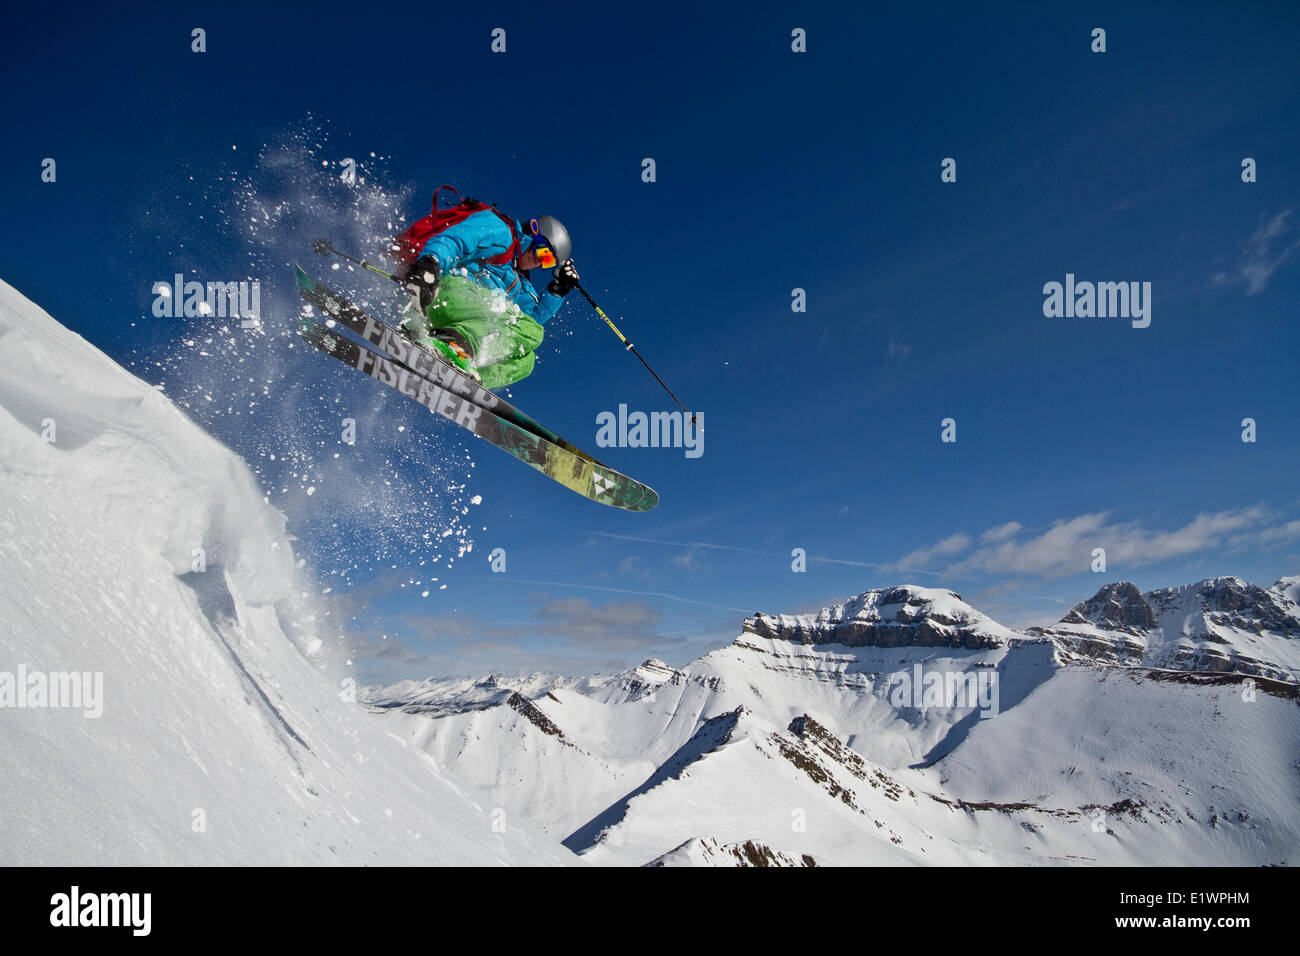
[(906, 616), (709, 852), (1217, 625)]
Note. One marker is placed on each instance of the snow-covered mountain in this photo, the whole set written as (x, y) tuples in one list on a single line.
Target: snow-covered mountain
[(168, 696), (791, 746), (1218, 625), (888, 617), (635, 682), (164, 696), (454, 695)]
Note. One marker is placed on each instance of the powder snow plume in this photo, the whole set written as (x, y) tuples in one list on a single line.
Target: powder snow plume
[(397, 496)]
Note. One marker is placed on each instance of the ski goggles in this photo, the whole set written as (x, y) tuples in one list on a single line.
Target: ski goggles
[(541, 248)]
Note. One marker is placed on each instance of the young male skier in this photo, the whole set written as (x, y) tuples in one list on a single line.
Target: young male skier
[(467, 268)]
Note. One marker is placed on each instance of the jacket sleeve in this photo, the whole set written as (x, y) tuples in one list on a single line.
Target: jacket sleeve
[(539, 306), (480, 236), (548, 303)]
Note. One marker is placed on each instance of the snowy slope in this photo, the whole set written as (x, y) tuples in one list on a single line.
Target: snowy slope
[(222, 739), (1204, 768), (1288, 589), (846, 688), (738, 779), (513, 757), (1096, 765)]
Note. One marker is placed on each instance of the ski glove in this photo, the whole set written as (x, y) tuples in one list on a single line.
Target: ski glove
[(564, 278), (422, 280)]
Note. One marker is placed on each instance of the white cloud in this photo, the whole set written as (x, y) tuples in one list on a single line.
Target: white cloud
[(631, 566), (1280, 535), (953, 544), (689, 560), (1066, 547), (1001, 532), (1268, 247)]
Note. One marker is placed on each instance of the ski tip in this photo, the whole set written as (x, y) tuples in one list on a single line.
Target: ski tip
[(631, 496)]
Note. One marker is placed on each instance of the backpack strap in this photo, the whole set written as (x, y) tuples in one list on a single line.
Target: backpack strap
[(470, 203), (450, 189), (516, 248), (515, 243)]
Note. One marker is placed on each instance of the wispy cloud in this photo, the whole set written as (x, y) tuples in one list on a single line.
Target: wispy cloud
[(677, 544), (1066, 547), (1001, 532), (692, 559), (1268, 247), (571, 634), (592, 587), (389, 649), (612, 626), (632, 567), (395, 661), (876, 565), (1282, 534), (898, 350), (812, 558), (953, 544)]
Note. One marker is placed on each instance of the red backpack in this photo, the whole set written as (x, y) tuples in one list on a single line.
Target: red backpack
[(406, 247)]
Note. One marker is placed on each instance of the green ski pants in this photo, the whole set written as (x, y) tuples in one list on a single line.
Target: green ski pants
[(500, 336)]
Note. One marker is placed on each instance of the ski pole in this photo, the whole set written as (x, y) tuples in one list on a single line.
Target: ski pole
[(632, 348), (323, 247)]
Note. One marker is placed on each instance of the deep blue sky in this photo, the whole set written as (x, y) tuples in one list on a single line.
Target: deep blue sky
[(775, 171)]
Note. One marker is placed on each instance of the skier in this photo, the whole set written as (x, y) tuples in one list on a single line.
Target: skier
[(472, 298)]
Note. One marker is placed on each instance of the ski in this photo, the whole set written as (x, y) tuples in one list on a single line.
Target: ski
[(448, 392), (389, 339)]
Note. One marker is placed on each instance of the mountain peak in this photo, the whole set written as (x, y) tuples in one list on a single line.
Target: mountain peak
[(709, 851), (1117, 606), (1288, 588), (904, 615), (1218, 624)]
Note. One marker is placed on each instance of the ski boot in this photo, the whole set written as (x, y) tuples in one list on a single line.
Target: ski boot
[(450, 346)]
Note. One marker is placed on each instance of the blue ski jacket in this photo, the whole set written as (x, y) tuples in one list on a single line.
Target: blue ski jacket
[(479, 237)]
